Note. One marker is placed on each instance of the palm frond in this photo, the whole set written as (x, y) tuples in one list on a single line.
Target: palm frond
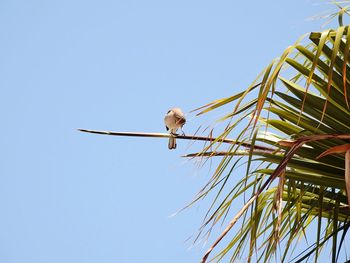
[(299, 110)]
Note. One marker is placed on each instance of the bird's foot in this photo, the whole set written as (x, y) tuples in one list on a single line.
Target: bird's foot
[(183, 133)]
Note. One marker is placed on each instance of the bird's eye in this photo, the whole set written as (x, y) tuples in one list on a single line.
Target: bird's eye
[(169, 111)]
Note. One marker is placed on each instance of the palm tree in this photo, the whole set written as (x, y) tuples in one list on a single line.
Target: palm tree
[(297, 183)]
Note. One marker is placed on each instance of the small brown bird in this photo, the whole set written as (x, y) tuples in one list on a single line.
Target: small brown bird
[(174, 120)]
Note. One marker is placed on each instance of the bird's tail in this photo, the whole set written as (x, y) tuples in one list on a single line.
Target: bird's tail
[(172, 143)]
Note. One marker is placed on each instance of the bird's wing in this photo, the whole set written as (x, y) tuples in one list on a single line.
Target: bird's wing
[(179, 119)]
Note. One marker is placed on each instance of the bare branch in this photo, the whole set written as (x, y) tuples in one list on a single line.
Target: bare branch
[(315, 137), (184, 137), (235, 153)]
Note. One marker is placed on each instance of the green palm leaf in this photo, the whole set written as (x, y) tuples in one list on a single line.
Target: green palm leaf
[(299, 109)]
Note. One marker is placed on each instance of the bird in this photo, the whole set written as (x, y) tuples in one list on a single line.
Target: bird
[(174, 120)]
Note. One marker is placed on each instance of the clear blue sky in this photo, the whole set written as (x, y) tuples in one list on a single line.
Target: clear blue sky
[(71, 197)]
